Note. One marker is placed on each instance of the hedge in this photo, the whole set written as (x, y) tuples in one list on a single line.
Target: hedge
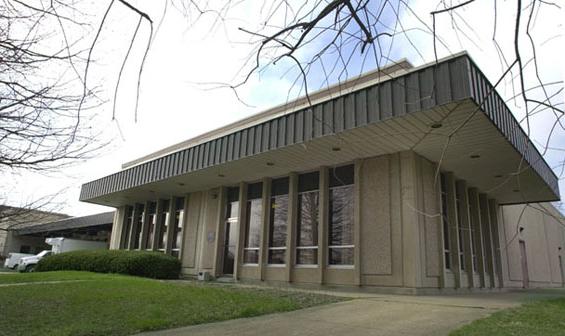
[(139, 263)]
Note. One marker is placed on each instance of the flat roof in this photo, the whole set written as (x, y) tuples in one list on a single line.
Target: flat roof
[(368, 100)]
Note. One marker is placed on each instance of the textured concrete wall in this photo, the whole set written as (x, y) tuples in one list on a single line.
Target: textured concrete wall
[(543, 231), (116, 235)]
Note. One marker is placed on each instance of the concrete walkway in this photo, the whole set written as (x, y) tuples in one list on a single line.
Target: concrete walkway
[(369, 315)]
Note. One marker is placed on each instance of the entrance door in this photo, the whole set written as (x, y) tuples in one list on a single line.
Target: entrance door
[(524, 261), (230, 238), (562, 271)]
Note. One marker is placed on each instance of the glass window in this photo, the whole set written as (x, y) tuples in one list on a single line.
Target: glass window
[(137, 227), (278, 221), (230, 230), (177, 229), (474, 246), (341, 216), (460, 231), (253, 224), (445, 218), (162, 226), (307, 221), (127, 227), (152, 218)]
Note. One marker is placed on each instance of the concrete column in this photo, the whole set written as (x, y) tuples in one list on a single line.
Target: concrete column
[(242, 217), (357, 220), (220, 227), (323, 222), (144, 226), (453, 228), (291, 225), (411, 265), (117, 228), (133, 226), (478, 232), (265, 219), (158, 223), (124, 242), (170, 225), (494, 225), (463, 209), (485, 222)]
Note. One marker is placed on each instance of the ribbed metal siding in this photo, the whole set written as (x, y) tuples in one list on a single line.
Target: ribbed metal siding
[(452, 80), (499, 113)]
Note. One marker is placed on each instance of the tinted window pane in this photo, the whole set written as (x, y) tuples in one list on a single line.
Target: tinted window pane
[(251, 256), (278, 221), (307, 228), (253, 224), (277, 256), (308, 182), (341, 256), (137, 227), (307, 256), (341, 216), (341, 176)]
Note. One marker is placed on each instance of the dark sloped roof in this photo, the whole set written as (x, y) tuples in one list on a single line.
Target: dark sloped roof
[(70, 223)]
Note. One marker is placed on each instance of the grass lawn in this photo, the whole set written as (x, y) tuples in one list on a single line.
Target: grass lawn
[(546, 317), (103, 304)]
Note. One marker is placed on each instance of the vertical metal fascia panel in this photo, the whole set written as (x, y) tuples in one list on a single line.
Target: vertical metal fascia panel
[(206, 154), (398, 97), (243, 148), (223, 149), (427, 87), (230, 147), (361, 108), (274, 129), (339, 115), (251, 141), (201, 150), (258, 135), (290, 129), (412, 86), (328, 118), (385, 95), (237, 145), (443, 84), (265, 137), (373, 104), (349, 111), (281, 141), (308, 124), (299, 126)]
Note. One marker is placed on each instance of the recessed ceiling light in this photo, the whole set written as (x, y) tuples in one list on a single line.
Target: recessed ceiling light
[(336, 149), (497, 176), (221, 175), (475, 156), (270, 163), (436, 125), (181, 184), (516, 190), (151, 191)]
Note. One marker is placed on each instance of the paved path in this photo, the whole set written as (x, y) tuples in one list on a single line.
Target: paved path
[(367, 315)]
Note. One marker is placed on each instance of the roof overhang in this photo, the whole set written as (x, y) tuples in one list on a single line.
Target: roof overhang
[(478, 139)]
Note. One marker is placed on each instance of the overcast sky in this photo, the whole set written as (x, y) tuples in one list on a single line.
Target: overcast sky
[(174, 107)]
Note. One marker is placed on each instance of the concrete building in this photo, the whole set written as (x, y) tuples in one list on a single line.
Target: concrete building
[(25, 230), (397, 179)]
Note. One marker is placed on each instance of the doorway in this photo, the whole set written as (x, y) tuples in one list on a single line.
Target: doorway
[(524, 262), (230, 238)]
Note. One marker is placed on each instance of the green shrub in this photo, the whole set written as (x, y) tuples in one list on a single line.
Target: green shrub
[(139, 263)]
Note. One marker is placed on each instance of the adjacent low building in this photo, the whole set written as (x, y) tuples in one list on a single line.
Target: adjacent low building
[(25, 231), (409, 178)]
